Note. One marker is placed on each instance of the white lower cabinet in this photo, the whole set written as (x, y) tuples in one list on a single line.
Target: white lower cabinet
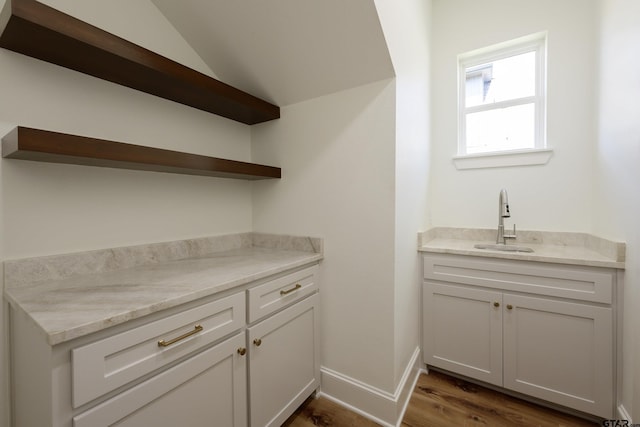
[(284, 362), (556, 349), (202, 365)]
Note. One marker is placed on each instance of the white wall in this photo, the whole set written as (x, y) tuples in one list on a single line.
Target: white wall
[(406, 26), (337, 158), (60, 208), (617, 205), (554, 197), (356, 171), (286, 51), (51, 208)]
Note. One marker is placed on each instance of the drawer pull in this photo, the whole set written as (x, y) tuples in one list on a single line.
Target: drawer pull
[(257, 342), (242, 351), (288, 291), (509, 307), (496, 304), (196, 329)]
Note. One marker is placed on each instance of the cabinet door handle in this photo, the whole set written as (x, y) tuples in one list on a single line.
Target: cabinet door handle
[(196, 329), (496, 304), (242, 351), (288, 291), (509, 307), (257, 342)]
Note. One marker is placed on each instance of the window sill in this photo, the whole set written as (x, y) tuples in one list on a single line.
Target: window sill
[(503, 159)]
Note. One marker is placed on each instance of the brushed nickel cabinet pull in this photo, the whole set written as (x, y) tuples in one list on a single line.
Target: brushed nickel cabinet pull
[(196, 329), (295, 288)]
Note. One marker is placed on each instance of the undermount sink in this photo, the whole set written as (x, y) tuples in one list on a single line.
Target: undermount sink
[(505, 248)]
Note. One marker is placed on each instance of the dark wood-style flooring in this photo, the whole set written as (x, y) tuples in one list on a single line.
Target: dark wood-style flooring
[(439, 400)]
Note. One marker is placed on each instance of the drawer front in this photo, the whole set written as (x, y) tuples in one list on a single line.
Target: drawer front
[(105, 365), (276, 294), (564, 281)]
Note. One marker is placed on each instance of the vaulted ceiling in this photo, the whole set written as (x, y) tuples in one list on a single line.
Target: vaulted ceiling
[(285, 51)]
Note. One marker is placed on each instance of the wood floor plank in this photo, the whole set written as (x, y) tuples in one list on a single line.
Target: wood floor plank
[(326, 413), (440, 400)]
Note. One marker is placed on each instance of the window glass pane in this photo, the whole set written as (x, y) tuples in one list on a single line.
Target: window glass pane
[(501, 129), (501, 80)]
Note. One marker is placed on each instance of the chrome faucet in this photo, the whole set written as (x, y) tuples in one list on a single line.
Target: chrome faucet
[(503, 212)]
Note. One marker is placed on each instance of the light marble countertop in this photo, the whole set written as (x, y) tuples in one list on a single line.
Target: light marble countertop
[(70, 307), (552, 247)]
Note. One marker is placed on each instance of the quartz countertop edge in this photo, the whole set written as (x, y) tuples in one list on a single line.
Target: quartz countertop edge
[(567, 248), (70, 308)]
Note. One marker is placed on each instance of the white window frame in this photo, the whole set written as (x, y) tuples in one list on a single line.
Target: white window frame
[(540, 153)]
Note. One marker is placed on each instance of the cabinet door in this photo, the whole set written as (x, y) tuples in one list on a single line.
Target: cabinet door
[(284, 367), (207, 390), (462, 331), (559, 351)]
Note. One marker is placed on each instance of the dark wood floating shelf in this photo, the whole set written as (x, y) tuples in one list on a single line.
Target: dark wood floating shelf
[(37, 30), (53, 147)]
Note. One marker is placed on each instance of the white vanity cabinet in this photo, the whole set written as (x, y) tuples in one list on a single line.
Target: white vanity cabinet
[(191, 365), (544, 330)]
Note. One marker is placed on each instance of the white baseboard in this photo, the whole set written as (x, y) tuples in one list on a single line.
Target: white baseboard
[(623, 414), (378, 405)]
